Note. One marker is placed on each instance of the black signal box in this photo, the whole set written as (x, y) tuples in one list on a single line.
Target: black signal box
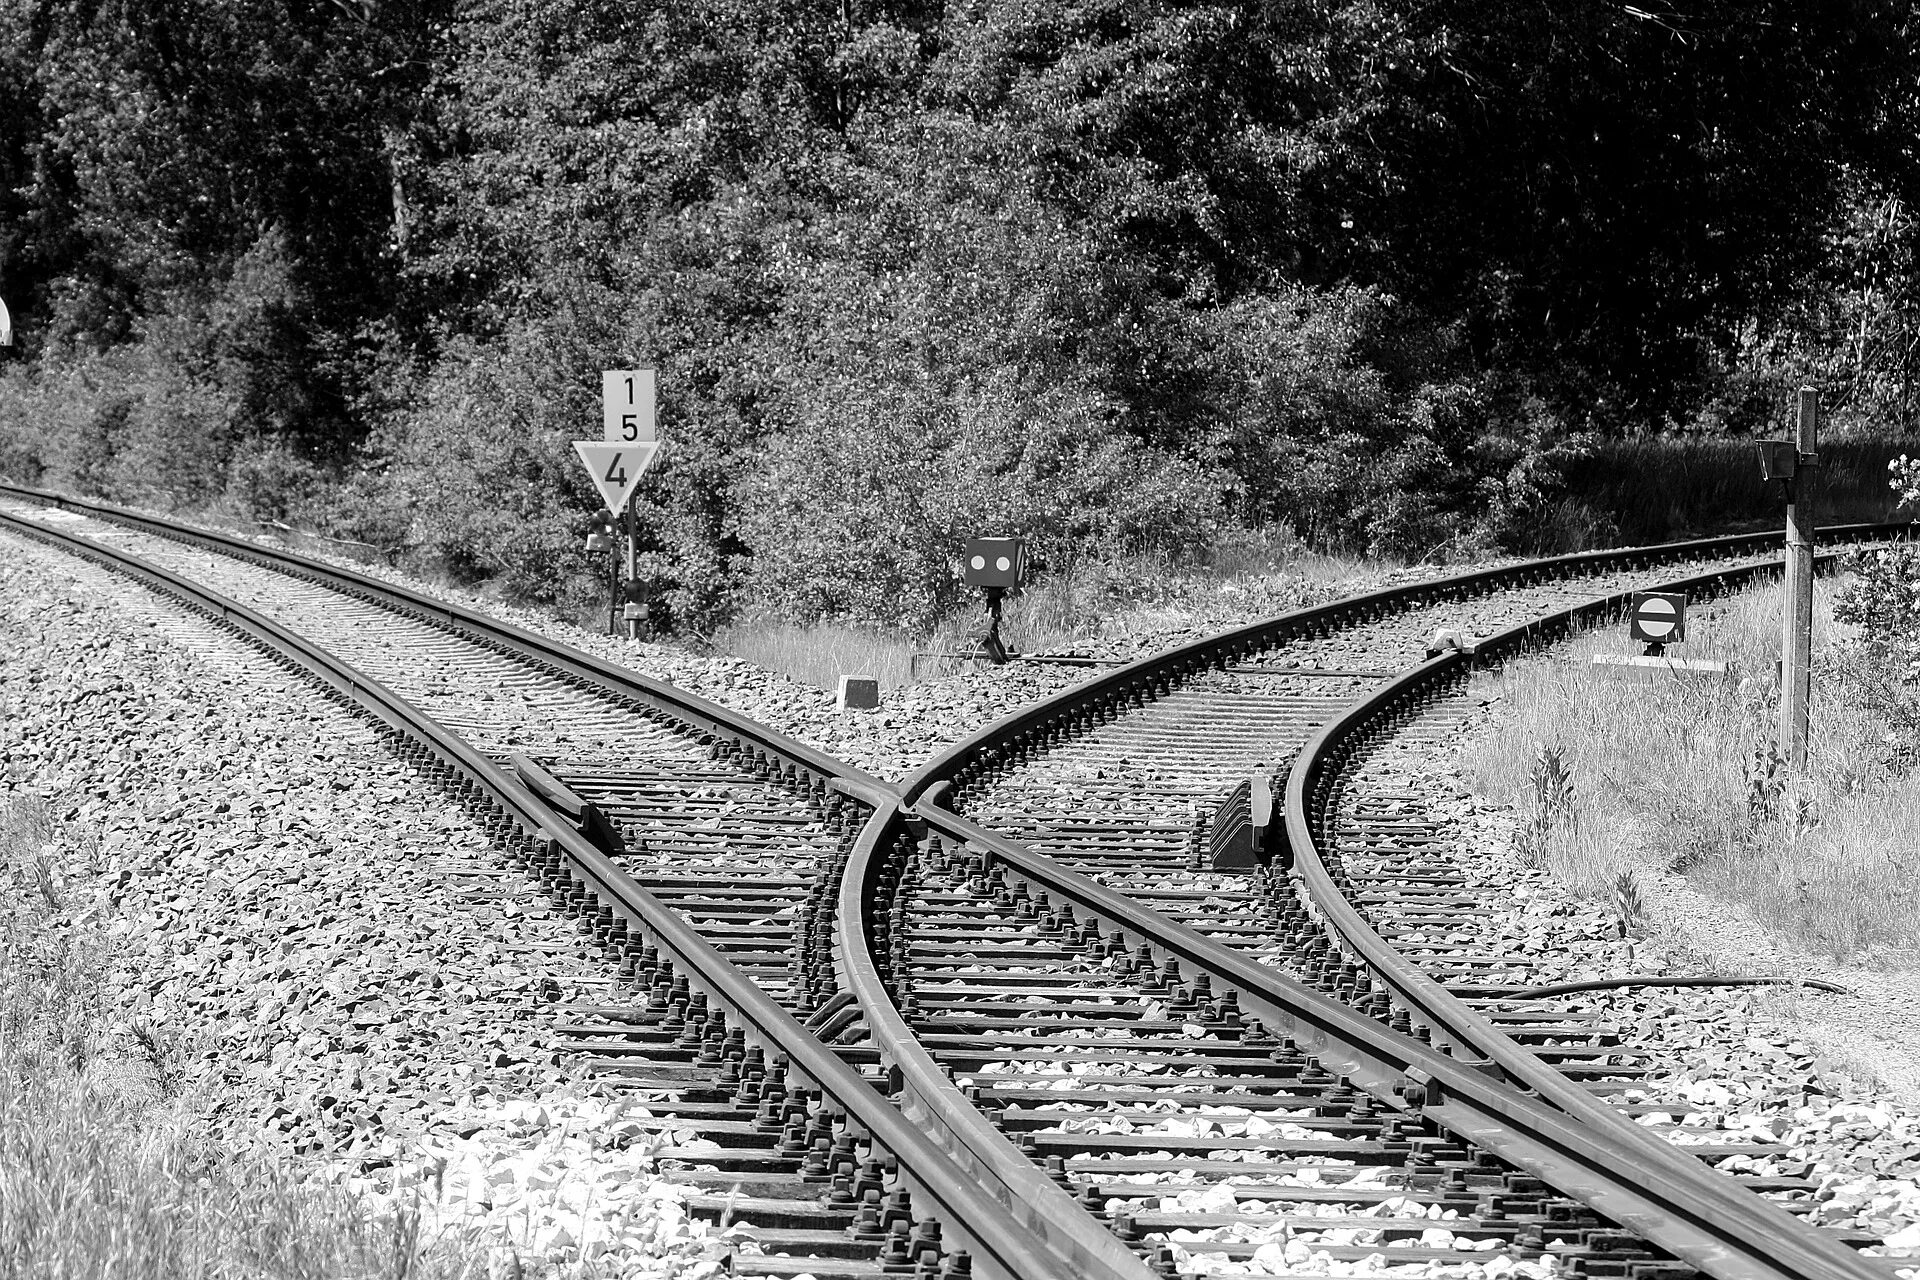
[(1778, 459), (994, 562)]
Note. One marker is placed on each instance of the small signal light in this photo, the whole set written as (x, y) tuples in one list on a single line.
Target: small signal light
[(600, 531), (995, 562)]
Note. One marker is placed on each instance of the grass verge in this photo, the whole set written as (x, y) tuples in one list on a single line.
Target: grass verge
[(1679, 772), (1248, 575), (821, 653)]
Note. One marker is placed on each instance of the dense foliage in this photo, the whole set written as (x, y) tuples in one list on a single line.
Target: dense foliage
[(1882, 595), (1117, 273)]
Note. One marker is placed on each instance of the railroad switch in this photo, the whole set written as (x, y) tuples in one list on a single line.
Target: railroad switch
[(586, 817)]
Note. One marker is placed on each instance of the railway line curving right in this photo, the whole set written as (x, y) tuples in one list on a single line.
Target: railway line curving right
[(1006, 1018), (1089, 814)]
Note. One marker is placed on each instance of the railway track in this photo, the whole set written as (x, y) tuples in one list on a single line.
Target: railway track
[(1008, 1019), (696, 848), (1097, 818)]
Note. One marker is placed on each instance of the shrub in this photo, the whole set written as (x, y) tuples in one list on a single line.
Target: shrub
[(859, 512), (271, 482), (31, 413), (485, 478), (1883, 597)]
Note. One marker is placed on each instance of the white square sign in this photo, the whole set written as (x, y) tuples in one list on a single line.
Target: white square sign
[(626, 403)]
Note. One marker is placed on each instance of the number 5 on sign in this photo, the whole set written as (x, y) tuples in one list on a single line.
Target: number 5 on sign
[(615, 469), (626, 403)]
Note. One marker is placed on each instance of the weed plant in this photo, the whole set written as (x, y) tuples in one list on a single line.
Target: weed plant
[(1680, 772), (103, 1171)]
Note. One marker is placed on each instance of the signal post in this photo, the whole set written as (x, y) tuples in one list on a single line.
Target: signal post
[(615, 465), (1796, 464)]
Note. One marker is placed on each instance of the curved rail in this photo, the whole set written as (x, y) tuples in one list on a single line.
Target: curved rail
[(1670, 1200), (629, 917), (697, 713), (1706, 1220), (1449, 1018), (1684, 1209), (928, 1095), (1157, 672)]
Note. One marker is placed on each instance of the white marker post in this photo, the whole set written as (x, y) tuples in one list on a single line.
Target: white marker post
[(6, 326), (627, 415), (1796, 656), (626, 419)]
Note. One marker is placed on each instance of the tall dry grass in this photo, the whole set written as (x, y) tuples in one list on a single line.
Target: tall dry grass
[(1674, 771), (820, 653), (1659, 489), (102, 1169), (1247, 573)]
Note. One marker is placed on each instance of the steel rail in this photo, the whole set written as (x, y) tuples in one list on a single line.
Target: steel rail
[(1447, 1016), (1709, 1221), (1744, 1216), (1083, 1245), (999, 1248), (1557, 1156), (1687, 1216), (928, 1095), (1158, 671), (690, 709)]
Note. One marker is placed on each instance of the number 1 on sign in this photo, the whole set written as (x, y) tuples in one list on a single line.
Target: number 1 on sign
[(626, 405)]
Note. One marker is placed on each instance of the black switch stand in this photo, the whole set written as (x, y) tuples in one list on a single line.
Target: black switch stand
[(995, 647)]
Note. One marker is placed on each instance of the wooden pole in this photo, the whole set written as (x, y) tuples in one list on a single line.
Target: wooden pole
[(1797, 642)]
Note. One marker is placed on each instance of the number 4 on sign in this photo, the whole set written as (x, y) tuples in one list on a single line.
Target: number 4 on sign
[(615, 469)]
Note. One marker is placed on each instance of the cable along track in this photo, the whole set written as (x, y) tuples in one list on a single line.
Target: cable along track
[(1086, 819), (715, 900)]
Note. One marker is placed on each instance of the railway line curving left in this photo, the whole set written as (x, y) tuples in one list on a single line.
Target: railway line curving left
[(983, 1021)]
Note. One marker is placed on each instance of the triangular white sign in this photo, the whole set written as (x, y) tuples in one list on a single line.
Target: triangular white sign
[(616, 468)]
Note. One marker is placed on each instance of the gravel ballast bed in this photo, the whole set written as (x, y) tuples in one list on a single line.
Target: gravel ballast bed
[(265, 887), (236, 900), (918, 721)]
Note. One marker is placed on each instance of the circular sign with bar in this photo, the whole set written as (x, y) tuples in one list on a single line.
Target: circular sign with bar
[(1658, 618)]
